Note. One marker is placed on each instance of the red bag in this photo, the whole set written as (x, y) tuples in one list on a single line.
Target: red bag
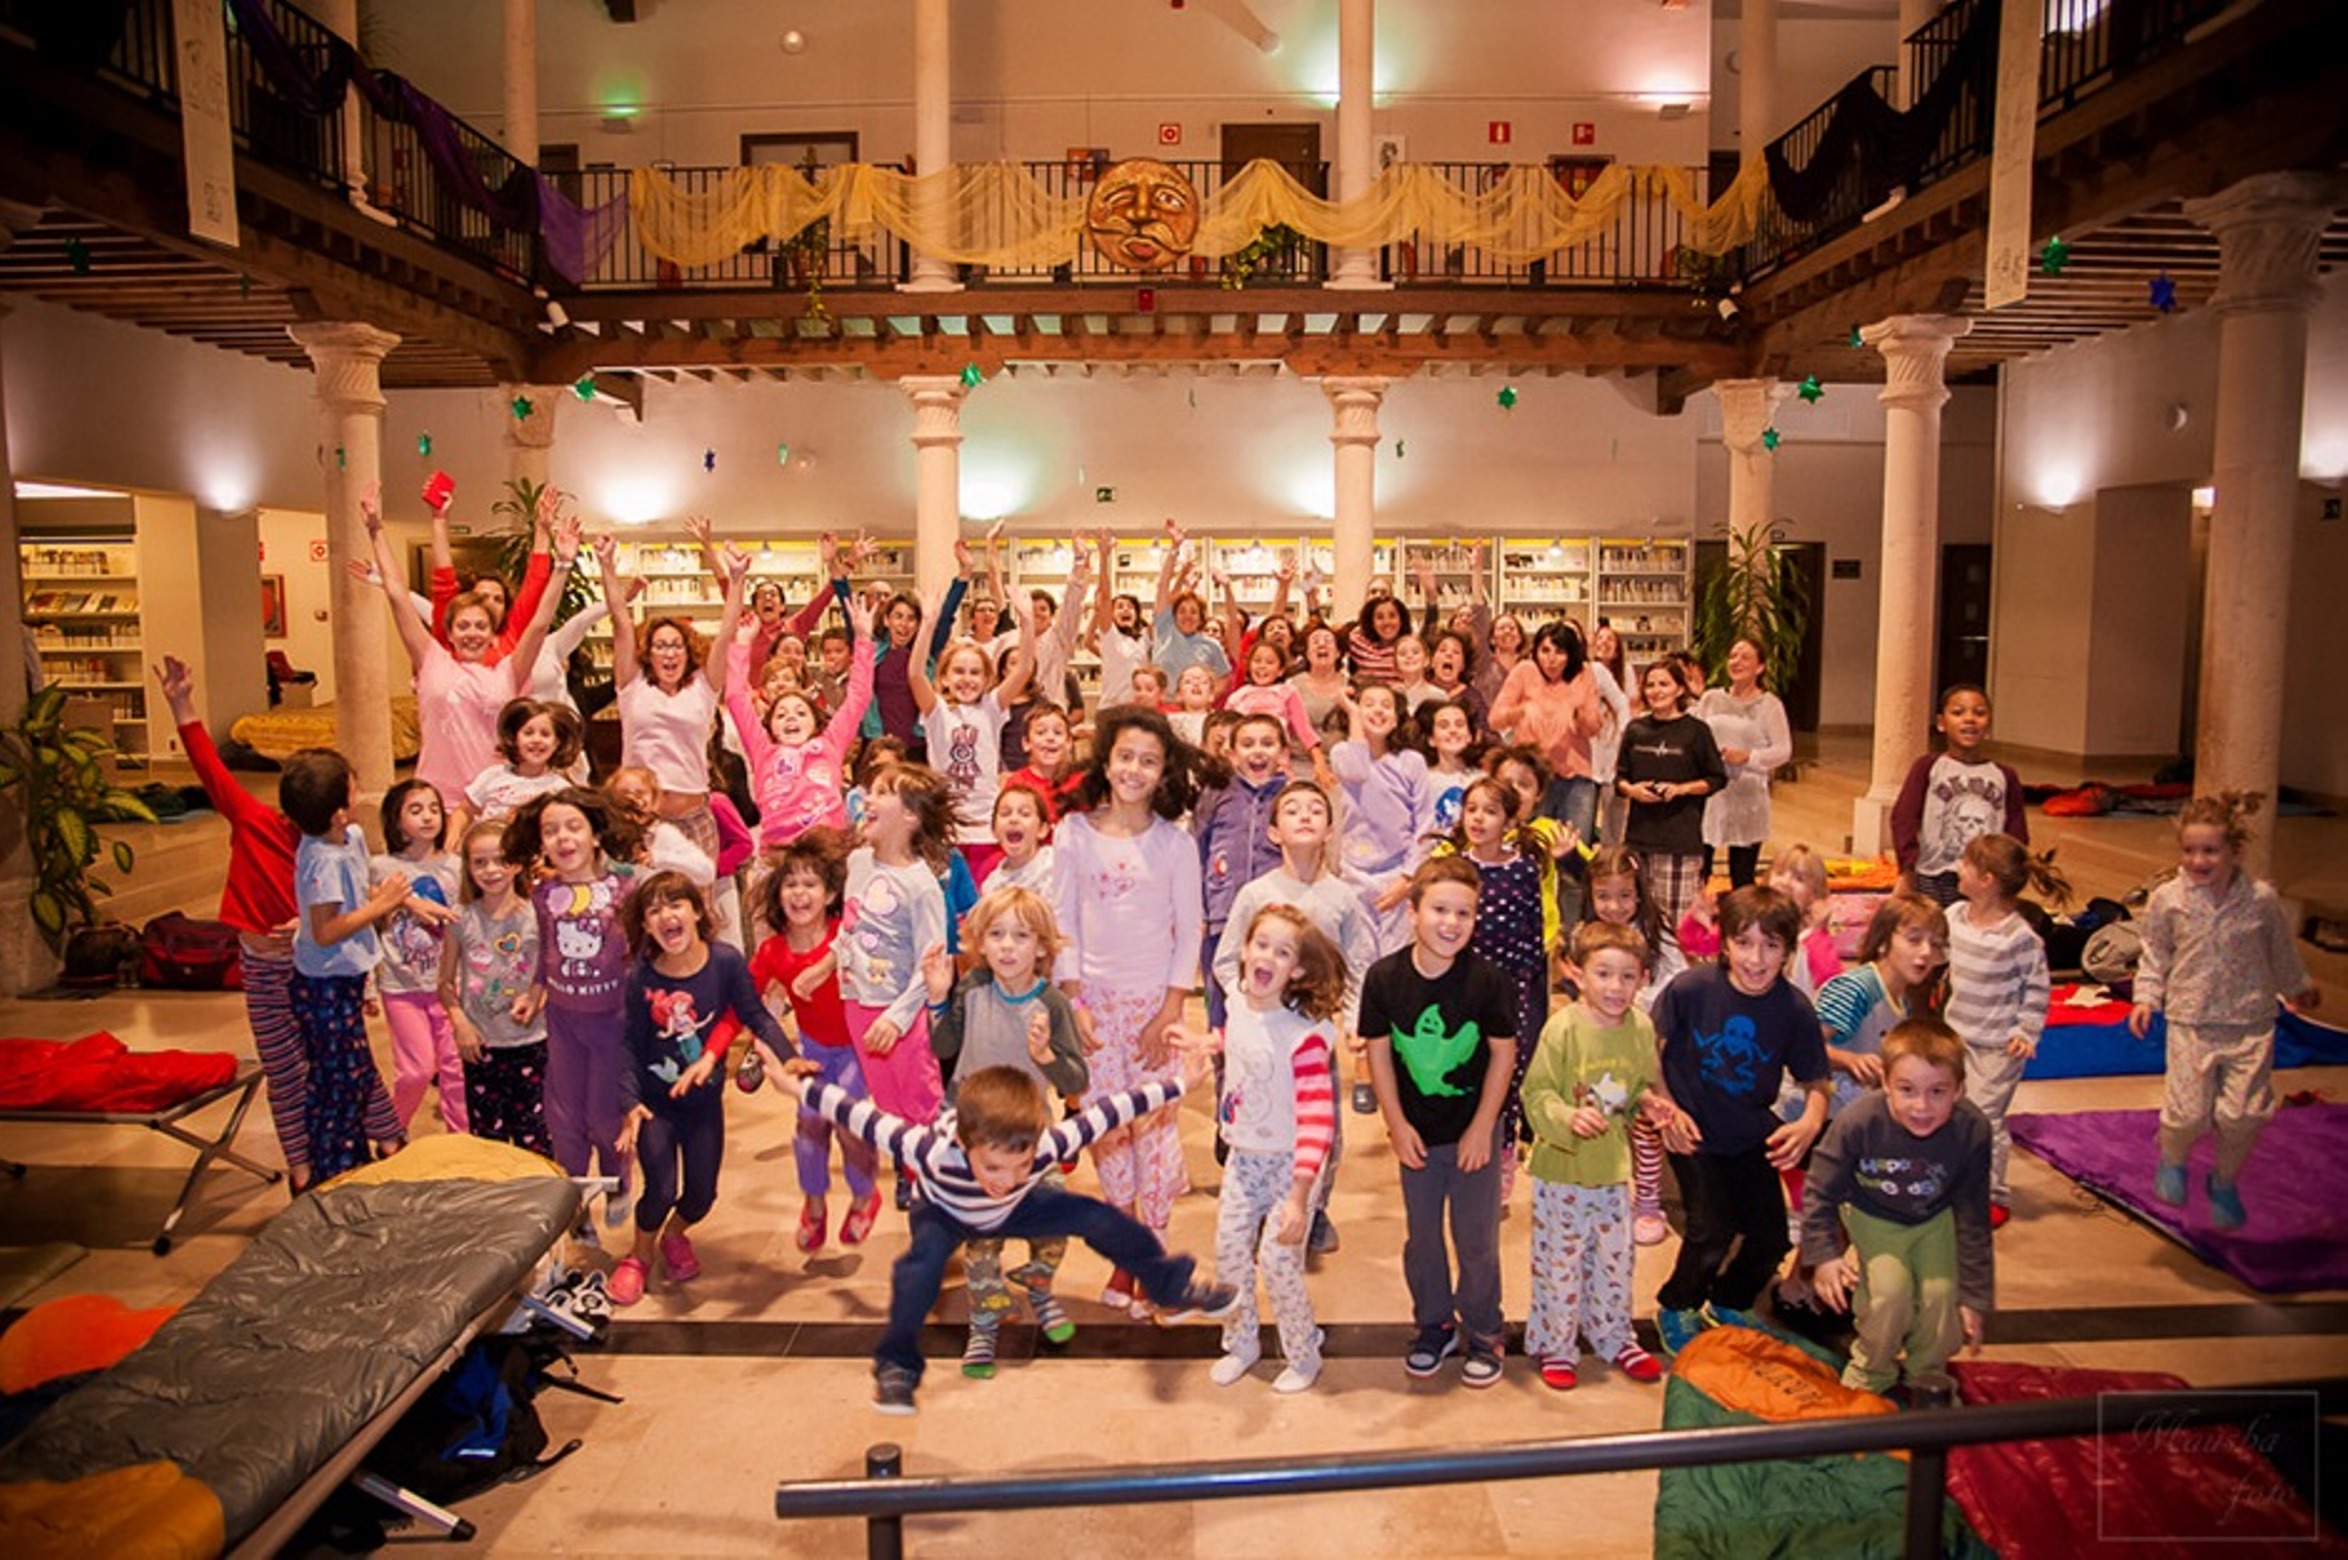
[(180, 953)]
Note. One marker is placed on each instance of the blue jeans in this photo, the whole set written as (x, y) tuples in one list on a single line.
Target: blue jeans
[(1045, 1211), (1571, 800)]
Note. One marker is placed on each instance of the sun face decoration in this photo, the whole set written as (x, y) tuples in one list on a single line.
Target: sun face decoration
[(1143, 216)]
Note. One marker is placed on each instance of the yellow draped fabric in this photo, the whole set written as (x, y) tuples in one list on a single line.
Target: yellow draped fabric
[(1000, 214)]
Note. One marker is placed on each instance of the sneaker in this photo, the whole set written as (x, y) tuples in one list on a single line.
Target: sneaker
[(1233, 1367), (1676, 1327), (1051, 1318), (1430, 1349), (1638, 1364), (815, 1219), (1209, 1301), (862, 1216), (750, 1074), (626, 1285), (978, 1354), (904, 1195), (1649, 1229), (1295, 1378), (1998, 1214), (1365, 1100), (2168, 1184), (1483, 1366), (619, 1207), (2225, 1204), (892, 1389), (678, 1260), (1731, 1316), (1559, 1373), (1321, 1239)]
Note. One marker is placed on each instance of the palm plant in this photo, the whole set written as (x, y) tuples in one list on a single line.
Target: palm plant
[(1756, 593)]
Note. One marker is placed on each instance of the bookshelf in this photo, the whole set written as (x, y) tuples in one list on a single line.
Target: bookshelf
[(1643, 593), (82, 602), (676, 585)]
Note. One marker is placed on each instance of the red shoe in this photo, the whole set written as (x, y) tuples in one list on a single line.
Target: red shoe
[(1638, 1364), (626, 1285), (678, 1260), (1998, 1214), (814, 1222), (1558, 1373), (861, 1218)]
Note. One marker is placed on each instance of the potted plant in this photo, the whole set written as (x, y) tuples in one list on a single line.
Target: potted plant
[(57, 777), (1756, 593)]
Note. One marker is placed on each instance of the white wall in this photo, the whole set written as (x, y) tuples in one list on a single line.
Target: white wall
[(1828, 488), (1034, 77), (2100, 415)]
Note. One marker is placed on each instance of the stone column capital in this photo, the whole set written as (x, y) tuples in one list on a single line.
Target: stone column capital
[(536, 431), (1915, 349), (2269, 227), (348, 357), (1747, 407), (937, 407), (1355, 399)]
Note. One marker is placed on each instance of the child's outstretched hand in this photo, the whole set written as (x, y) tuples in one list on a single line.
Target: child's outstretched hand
[(627, 1141), (2140, 1019), (937, 972), (694, 1076), (810, 980), (1832, 1282), (1393, 894), (1198, 1056), (1787, 1145), (797, 1078), (1039, 1038), (430, 911)]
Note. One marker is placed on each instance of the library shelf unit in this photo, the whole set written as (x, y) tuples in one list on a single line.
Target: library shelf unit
[(86, 566), (676, 585), (1643, 593)]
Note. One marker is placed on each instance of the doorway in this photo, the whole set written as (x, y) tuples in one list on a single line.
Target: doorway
[(1296, 147), (1961, 650), (1801, 700)]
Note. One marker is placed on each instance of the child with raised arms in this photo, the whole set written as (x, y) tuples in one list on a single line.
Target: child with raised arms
[(672, 1089), (1007, 1013), (801, 899), (986, 1179), (1592, 1071), (1903, 1174), (2217, 952), (488, 965), (963, 716), (1278, 1114)]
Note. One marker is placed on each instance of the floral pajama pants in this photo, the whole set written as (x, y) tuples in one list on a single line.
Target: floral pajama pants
[(1140, 1166), (1247, 1229), (1581, 1271)]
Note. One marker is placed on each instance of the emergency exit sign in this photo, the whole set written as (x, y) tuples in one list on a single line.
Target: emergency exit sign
[(1499, 132)]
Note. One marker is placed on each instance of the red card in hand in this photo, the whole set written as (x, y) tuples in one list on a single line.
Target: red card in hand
[(438, 489)]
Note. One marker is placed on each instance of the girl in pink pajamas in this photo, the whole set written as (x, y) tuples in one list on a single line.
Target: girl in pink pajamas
[(1130, 907)]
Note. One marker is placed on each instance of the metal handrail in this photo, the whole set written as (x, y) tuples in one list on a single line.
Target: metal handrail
[(884, 1498)]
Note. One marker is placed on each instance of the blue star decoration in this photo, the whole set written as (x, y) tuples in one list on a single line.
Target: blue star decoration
[(2164, 295), (2054, 256), (1812, 391), (709, 460), (1771, 438), (1507, 398), (522, 408)]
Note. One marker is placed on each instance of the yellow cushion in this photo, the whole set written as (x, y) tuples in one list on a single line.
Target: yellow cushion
[(148, 1511)]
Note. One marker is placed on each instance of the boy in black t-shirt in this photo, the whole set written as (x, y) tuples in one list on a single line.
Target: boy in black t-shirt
[(1728, 1033), (1440, 1025)]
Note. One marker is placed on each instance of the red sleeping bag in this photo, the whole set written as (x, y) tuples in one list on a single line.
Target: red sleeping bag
[(2184, 1496), (99, 1074)]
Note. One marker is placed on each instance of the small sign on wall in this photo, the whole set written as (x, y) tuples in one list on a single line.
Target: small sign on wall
[(1499, 132), (1169, 134), (1845, 568), (1585, 133), (318, 551)]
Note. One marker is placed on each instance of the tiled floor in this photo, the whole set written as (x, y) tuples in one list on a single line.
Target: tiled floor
[(756, 1371)]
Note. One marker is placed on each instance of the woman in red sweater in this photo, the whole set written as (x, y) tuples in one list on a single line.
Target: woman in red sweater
[(258, 900)]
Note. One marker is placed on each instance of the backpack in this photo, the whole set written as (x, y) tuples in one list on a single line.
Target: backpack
[(98, 956), (2112, 954), (479, 1429), (180, 953)]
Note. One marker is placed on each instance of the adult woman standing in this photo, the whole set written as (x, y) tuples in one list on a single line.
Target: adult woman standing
[(1322, 684), (1504, 651), (1551, 702), (669, 693), (892, 712), (1369, 644), (1668, 765), (1606, 665), (1749, 727)]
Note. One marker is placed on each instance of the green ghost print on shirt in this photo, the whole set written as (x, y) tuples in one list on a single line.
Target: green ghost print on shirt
[(1432, 1054)]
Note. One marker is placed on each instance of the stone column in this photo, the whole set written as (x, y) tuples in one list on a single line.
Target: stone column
[(341, 18), (1353, 403), (1756, 78), (1357, 160), (1915, 349), (1913, 15), (529, 441), (348, 357), (933, 124), (2268, 228), (1747, 407), (521, 80), (937, 461), (26, 964)]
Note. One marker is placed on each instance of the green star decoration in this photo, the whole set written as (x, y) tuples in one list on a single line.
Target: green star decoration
[(77, 255), (1857, 341), (972, 376), (2054, 256), (584, 387), (522, 408), (1812, 391), (342, 459), (1507, 398), (1398, 450), (782, 454), (424, 444), (1771, 438)]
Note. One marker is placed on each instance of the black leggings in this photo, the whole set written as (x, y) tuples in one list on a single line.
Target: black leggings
[(1744, 864), (1732, 1201), (690, 1132)]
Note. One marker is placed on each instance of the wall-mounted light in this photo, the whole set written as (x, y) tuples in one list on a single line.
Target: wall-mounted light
[(794, 41), (1677, 108), (2179, 415), (2205, 498)]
